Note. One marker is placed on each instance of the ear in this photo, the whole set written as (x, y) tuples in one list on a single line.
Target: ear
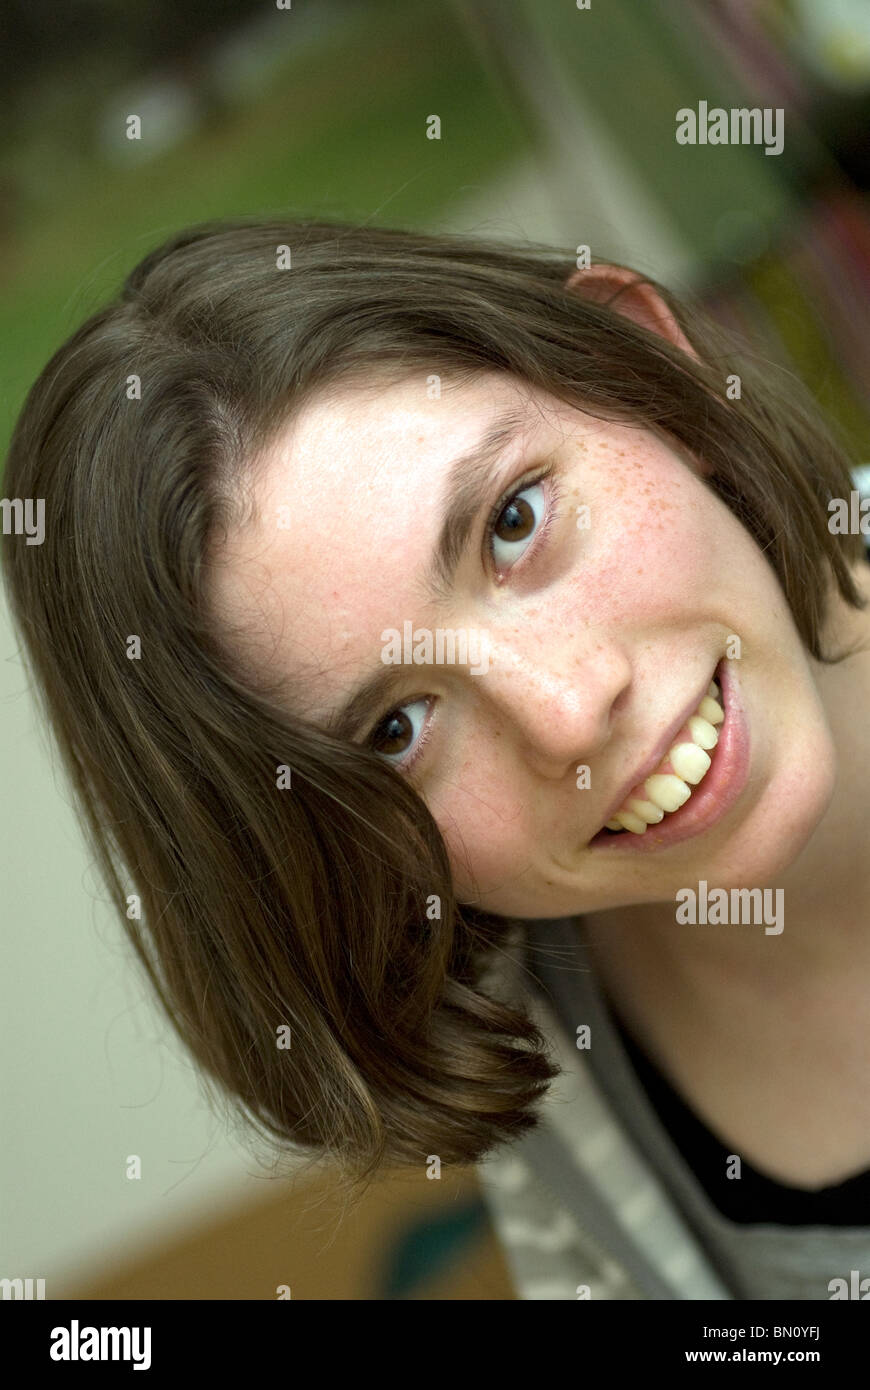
[(626, 292)]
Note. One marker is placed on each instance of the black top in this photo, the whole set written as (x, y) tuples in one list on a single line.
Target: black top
[(752, 1197)]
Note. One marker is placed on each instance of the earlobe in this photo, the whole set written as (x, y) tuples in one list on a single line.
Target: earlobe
[(626, 292)]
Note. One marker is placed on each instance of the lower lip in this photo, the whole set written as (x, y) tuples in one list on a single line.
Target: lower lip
[(713, 797)]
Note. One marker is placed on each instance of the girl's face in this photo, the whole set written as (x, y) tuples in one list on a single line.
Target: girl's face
[(599, 586)]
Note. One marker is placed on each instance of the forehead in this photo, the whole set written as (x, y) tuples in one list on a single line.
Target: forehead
[(356, 436), (347, 511)]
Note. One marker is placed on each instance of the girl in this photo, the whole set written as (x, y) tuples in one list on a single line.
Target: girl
[(427, 625)]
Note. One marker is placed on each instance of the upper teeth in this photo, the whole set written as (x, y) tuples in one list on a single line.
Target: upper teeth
[(667, 791)]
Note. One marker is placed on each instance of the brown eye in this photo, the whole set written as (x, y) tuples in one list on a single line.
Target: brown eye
[(517, 524), (392, 734), (516, 521), (400, 735)]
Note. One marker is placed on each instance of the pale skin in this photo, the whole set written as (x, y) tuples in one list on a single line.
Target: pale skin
[(598, 637)]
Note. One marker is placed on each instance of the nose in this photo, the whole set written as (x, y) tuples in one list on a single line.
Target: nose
[(559, 700)]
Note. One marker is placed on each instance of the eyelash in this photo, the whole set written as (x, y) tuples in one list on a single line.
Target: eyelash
[(554, 496)]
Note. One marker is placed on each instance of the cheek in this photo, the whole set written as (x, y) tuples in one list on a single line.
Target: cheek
[(670, 545), (486, 826), (653, 550)]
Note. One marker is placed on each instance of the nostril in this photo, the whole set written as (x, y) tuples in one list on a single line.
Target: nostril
[(620, 702)]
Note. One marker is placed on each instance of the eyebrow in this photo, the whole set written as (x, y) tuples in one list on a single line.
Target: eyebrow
[(468, 482)]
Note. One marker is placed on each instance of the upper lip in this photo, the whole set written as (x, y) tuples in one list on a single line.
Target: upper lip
[(661, 748)]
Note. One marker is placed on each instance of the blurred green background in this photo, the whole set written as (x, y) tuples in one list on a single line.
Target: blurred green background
[(321, 108)]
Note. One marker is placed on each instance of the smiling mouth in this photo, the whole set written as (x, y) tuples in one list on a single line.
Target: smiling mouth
[(683, 767)]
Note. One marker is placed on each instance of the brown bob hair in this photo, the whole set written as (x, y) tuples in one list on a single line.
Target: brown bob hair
[(264, 908)]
